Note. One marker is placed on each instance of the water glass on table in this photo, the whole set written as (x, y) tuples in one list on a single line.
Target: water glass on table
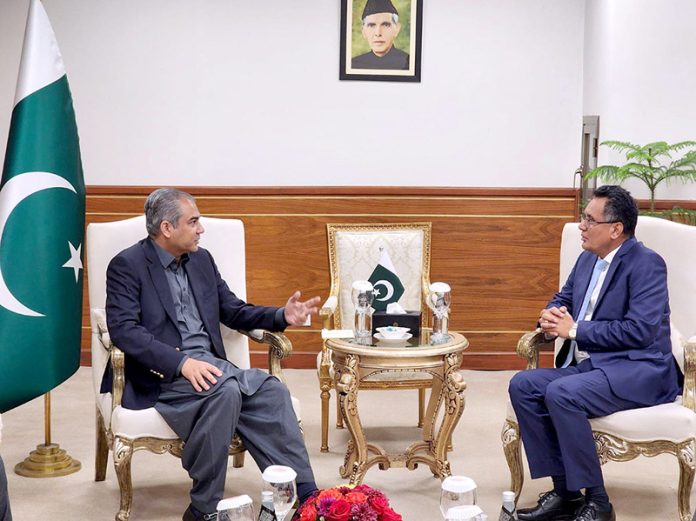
[(457, 491), (281, 481), (238, 508)]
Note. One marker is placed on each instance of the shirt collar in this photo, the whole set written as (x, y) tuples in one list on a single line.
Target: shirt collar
[(167, 259), (610, 256)]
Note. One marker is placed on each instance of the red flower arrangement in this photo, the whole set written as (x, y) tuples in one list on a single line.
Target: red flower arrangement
[(361, 503)]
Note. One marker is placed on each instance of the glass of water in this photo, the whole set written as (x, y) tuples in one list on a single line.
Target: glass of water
[(238, 508), (281, 481)]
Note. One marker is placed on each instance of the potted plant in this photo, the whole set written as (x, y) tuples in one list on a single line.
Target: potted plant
[(651, 163)]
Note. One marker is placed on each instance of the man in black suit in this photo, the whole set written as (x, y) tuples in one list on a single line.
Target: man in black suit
[(164, 305), (380, 27)]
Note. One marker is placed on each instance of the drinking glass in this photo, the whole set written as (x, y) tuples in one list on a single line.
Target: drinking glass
[(236, 508), (464, 513), (362, 296), (457, 491), (281, 481), (439, 300)]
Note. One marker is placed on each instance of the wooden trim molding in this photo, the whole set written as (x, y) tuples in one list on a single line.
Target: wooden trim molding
[(496, 247)]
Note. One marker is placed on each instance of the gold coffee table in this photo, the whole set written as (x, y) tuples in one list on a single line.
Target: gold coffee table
[(355, 362)]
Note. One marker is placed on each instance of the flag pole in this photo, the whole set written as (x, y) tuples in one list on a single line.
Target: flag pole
[(48, 460)]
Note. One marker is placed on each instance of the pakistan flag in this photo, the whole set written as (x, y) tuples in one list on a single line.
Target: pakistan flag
[(386, 283), (42, 213)]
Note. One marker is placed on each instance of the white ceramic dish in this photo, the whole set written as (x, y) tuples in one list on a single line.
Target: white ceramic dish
[(397, 333), (382, 338)]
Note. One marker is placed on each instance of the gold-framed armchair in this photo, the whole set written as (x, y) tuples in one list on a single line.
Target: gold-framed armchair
[(123, 431), (662, 429), (354, 250)]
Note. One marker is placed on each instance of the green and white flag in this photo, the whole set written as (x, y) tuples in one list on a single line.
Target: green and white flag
[(386, 283), (42, 220)]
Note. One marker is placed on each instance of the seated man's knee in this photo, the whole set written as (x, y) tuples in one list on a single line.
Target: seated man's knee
[(277, 388), (230, 392), (520, 384), (559, 392)]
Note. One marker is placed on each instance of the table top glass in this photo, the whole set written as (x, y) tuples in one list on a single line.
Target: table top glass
[(419, 342)]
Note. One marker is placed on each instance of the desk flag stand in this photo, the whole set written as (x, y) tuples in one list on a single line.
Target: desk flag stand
[(48, 460)]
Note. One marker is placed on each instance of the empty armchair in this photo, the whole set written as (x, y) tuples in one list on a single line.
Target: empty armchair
[(354, 250)]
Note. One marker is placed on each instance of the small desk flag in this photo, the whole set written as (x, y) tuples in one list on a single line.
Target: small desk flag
[(386, 283)]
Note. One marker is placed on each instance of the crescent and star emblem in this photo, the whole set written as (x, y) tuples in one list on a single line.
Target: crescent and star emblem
[(387, 286), (14, 192)]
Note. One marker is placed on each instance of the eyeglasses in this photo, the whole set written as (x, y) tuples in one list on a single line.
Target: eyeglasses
[(590, 222)]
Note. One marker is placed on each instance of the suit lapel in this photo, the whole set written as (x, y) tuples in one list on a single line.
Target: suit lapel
[(159, 280)]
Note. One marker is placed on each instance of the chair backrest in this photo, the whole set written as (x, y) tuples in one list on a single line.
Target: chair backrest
[(676, 243), (224, 238), (354, 251)]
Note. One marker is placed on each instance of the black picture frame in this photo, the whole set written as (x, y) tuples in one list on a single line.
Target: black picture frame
[(358, 61)]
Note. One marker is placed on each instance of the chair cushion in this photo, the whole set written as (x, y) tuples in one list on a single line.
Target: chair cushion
[(677, 345), (668, 421)]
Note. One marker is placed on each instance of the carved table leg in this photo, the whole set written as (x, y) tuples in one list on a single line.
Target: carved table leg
[(453, 396), (348, 393)]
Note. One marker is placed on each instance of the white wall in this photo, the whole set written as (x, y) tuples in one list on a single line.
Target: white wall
[(232, 92), (640, 76)]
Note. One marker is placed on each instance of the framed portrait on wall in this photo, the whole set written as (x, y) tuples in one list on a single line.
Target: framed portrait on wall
[(381, 40)]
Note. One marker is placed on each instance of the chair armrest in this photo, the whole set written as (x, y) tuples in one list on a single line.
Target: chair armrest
[(279, 347), (116, 359), (528, 347), (118, 362), (689, 395), (328, 309)]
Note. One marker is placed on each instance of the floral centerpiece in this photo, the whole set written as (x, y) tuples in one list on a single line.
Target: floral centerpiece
[(361, 503)]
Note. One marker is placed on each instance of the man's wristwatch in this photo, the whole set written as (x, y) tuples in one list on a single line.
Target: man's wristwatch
[(573, 332)]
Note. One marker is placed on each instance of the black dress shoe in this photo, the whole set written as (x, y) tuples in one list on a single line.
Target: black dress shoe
[(551, 507), (590, 512), (193, 514)]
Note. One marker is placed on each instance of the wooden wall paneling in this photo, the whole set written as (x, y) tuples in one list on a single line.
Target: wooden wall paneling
[(498, 249)]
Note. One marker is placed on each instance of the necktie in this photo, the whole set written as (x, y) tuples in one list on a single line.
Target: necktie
[(596, 272)]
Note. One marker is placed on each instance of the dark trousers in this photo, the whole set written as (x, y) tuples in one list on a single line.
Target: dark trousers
[(265, 420), (552, 408), (5, 513)]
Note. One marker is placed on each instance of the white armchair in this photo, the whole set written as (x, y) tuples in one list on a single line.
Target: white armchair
[(354, 250), (123, 431), (667, 428)]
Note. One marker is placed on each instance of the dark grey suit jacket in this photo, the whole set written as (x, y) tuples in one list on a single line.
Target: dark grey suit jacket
[(142, 322)]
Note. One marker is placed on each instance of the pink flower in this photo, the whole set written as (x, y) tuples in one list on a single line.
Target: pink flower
[(356, 497), (308, 513), (379, 503), (339, 511)]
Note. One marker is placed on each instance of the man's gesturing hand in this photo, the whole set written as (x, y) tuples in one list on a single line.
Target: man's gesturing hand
[(296, 312), (200, 373)]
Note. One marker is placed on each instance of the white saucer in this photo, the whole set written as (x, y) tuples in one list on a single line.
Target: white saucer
[(381, 338)]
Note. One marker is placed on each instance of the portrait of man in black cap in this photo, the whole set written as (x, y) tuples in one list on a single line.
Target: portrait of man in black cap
[(380, 27)]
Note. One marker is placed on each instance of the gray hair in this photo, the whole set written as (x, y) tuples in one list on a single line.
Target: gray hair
[(395, 19), (163, 205)]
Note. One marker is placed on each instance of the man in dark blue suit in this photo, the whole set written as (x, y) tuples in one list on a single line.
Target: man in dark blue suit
[(613, 313), (164, 305)]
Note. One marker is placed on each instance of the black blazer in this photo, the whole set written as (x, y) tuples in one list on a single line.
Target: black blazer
[(141, 317)]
